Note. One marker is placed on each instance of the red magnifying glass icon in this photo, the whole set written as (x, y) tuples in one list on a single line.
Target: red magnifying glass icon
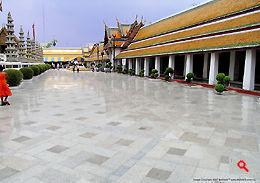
[(242, 165)]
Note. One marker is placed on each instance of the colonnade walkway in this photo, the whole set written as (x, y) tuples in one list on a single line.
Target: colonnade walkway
[(66, 127)]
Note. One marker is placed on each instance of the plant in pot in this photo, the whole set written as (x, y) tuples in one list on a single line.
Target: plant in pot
[(98, 67), (223, 79), (125, 71), (131, 72), (220, 77), (108, 66), (118, 68), (189, 77), (226, 81), (141, 73), (219, 88), (169, 71), (154, 74)]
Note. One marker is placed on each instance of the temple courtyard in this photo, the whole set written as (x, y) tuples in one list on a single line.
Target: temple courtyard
[(65, 127)]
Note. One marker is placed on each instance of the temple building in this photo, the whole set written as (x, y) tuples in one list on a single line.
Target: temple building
[(219, 36), (118, 38), (97, 55), (13, 53), (62, 55)]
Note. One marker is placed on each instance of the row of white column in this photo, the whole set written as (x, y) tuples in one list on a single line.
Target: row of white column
[(249, 70)]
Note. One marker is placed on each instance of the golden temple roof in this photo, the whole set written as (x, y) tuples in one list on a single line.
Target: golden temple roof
[(196, 28)]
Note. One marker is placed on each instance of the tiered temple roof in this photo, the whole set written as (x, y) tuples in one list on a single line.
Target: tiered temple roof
[(215, 25), (124, 34), (96, 53)]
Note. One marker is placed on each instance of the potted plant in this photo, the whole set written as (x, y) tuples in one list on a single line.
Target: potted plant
[(131, 72), (108, 67), (118, 68), (219, 88), (154, 74), (168, 73), (98, 67), (223, 79), (125, 71), (189, 77), (141, 73)]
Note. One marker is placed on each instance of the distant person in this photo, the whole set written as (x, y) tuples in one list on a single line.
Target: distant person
[(4, 89), (73, 68), (77, 68), (58, 66), (53, 65)]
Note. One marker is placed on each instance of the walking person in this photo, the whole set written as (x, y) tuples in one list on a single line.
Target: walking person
[(4, 89), (73, 67), (77, 68)]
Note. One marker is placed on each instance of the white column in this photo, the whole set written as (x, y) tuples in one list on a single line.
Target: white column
[(130, 64), (205, 66), (213, 71), (124, 63), (137, 66), (146, 66), (249, 71), (189, 64), (184, 70), (171, 61), (232, 65), (158, 64)]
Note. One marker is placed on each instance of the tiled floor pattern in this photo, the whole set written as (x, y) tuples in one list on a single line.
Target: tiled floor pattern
[(65, 127)]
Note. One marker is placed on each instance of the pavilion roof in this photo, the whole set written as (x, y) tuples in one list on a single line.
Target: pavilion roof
[(96, 51), (209, 26), (124, 33)]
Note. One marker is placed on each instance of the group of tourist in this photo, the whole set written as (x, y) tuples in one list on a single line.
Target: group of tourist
[(4, 89)]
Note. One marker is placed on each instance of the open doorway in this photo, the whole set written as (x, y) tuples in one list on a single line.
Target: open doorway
[(164, 63), (179, 66)]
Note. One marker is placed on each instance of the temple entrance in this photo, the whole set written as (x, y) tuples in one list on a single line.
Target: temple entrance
[(257, 70), (239, 66), (224, 62), (198, 62), (164, 63), (179, 66), (151, 64)]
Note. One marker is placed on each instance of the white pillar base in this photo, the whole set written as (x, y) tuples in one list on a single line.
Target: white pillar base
[(171, 61), (137, 66), (213, 68), (189, 64), (249, 71), (158, 64)]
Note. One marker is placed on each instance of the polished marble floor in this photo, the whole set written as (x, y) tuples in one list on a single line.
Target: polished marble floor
[(65, 127)]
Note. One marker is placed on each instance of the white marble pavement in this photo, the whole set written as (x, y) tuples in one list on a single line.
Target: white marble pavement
[(65, 127)]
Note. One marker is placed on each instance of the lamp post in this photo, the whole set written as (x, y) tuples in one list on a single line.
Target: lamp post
[(98, 51), (102, 54), (114, 54)]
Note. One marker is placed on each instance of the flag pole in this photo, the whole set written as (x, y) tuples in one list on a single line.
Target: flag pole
[(33, 26)]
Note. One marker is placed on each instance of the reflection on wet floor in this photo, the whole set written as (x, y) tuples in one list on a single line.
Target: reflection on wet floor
[(98, 127)]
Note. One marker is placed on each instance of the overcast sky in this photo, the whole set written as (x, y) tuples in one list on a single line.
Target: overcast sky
[(77, 22)]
